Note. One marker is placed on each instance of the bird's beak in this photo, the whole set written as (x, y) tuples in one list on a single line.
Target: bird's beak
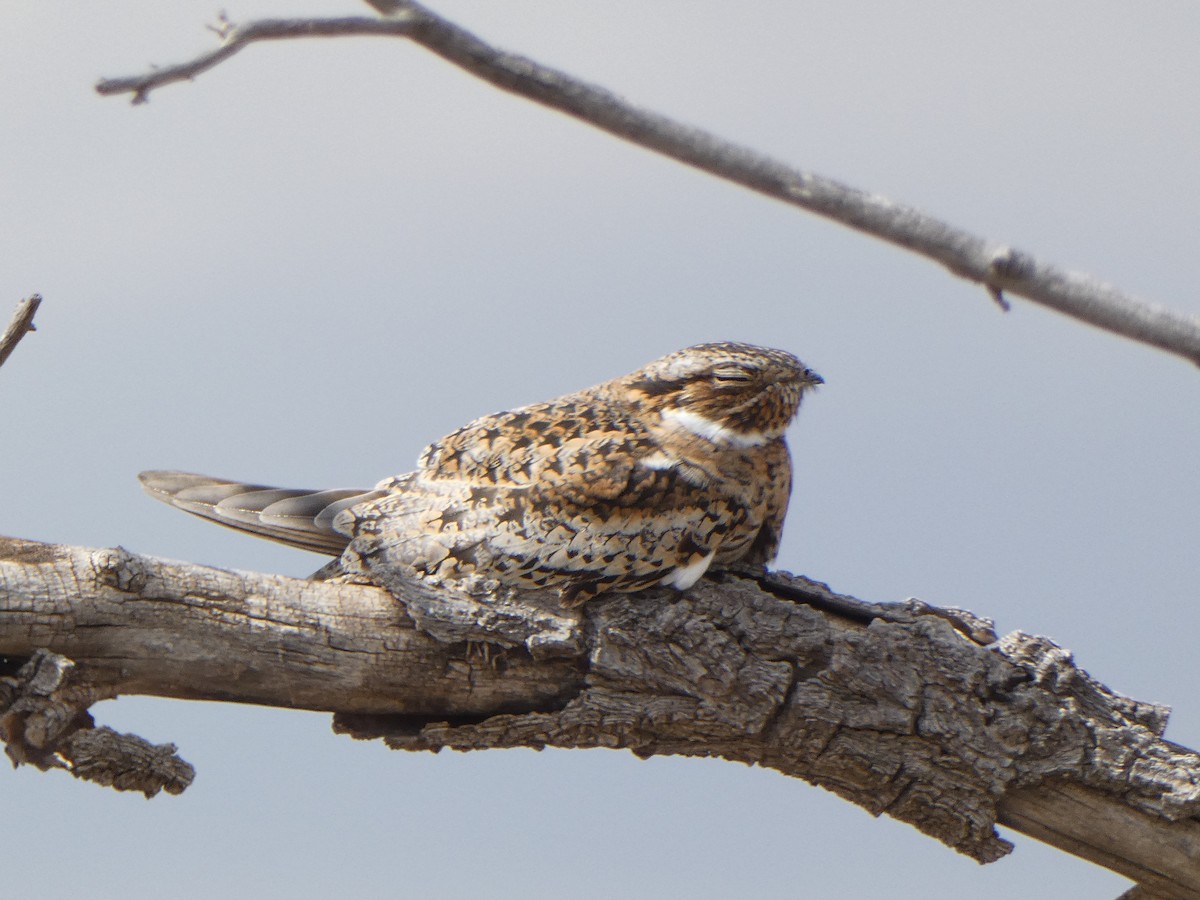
[(812, 379)]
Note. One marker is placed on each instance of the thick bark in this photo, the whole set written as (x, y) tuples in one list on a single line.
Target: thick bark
[(904, 709)]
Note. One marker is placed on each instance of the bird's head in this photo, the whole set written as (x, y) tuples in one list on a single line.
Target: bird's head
[(735, 395)]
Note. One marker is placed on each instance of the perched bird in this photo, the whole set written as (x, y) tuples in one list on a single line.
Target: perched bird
[(648, 479)]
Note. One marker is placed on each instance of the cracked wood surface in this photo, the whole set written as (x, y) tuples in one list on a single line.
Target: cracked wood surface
[(905, 709)]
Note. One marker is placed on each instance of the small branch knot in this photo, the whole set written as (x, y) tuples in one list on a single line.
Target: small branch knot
[(120, 569)]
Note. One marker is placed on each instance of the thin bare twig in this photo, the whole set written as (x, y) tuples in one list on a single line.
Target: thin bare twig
[(21, 324), (1000, 268)]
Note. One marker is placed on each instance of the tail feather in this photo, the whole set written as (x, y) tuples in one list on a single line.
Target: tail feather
[(296, 517)]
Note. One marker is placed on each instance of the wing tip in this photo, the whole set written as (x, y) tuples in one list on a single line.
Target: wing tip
[(168, 482)]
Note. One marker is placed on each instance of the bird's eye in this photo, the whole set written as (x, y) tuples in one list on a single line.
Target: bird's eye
[(731, 376)]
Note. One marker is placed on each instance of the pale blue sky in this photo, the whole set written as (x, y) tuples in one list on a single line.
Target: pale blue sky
[(322, 255)]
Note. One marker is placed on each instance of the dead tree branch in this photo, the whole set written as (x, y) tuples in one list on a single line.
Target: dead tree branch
[(904, 709), (997, 266), (20, 325)]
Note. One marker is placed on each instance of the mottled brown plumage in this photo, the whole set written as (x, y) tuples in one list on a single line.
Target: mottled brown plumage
[(643, 480)]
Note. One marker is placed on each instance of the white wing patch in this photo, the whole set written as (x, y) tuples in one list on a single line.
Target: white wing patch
[(658, 461), (684, 577)]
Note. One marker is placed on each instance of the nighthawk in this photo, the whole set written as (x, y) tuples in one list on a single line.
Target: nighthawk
[(647, 479)]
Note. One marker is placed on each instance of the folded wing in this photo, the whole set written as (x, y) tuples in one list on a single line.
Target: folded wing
[(296, 517)]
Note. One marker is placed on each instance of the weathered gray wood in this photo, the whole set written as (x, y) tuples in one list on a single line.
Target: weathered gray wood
[(19, 326), (903, 709), (1162, 856), (1000, 268), (138, 625)]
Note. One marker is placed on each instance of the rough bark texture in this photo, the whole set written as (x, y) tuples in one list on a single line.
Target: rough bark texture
[(904, 709)]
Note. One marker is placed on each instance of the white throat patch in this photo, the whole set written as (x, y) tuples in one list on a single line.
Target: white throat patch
[(701, 426)]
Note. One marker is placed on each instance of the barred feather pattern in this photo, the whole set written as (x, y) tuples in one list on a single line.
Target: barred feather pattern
[(648, 479)]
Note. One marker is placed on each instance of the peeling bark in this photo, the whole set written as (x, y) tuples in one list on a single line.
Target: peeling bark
[(904, 709)]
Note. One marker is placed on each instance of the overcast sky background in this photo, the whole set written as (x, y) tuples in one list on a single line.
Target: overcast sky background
[(322, 255)]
